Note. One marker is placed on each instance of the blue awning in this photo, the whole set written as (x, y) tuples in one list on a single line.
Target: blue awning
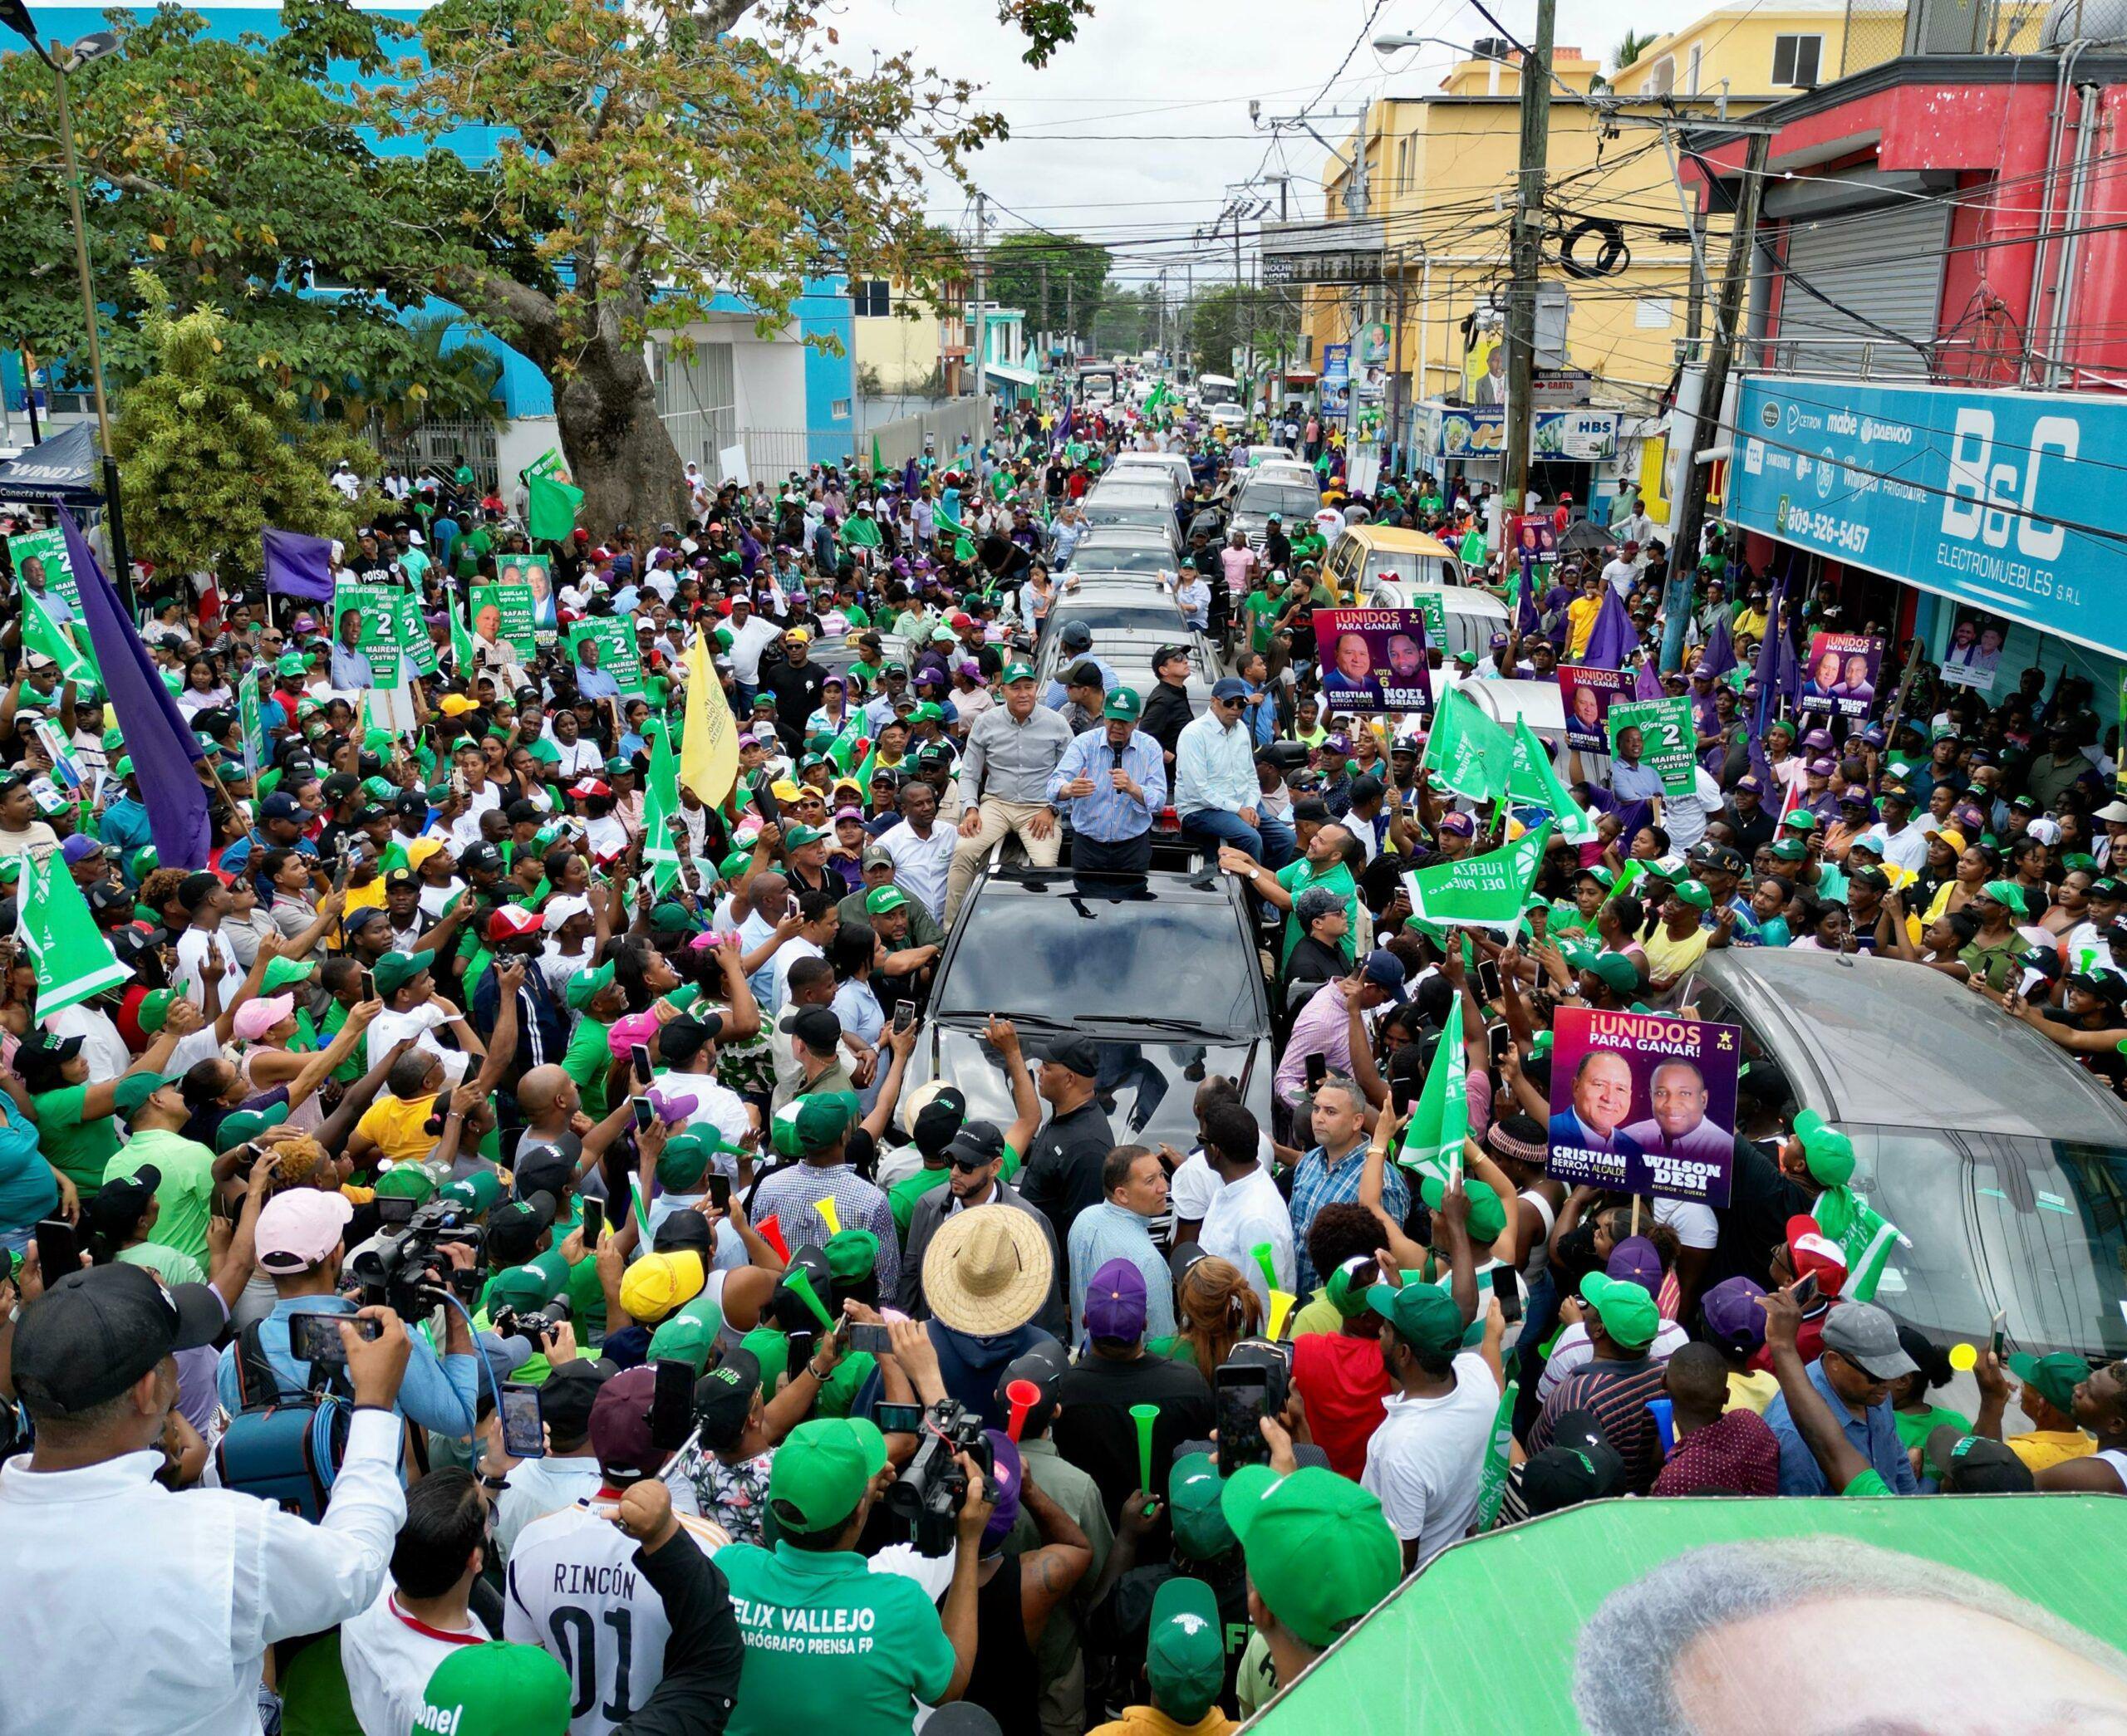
[(64, 469)]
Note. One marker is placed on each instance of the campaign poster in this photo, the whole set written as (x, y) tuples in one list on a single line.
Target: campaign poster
[(618, 655), (1840, 680), (376, 607), (48, 549), (1374, 659), (414, 640), (533, 570), (1973, 656), (1587, 695), (1667, 739), (503, 614), (1535, 536), (1644, 1102)]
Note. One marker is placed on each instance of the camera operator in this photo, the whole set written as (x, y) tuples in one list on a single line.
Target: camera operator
[(831, 1644), (212, 1578), (300, 1249)]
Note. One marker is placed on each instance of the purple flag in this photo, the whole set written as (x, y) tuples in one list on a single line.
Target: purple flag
[(1717, 656), (296, 565), (1647, 684), (1527, 621), (1060, 435), (1768, 669), (163, 748), (1614, 638), (911, 478)]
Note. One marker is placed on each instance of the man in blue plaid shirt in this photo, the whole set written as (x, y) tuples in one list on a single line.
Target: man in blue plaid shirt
[(1330, 1174)]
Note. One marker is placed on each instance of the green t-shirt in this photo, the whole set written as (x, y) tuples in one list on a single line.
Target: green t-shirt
[(1297, 877), (350, 1070), (172, 1267), (588, 1059), (1914, 1427), (79, 1151), (830, 1645), (902, 1196), (187, 1192), (1262, 610)]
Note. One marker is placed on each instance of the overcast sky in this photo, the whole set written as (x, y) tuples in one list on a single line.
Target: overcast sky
[(1163, 87)]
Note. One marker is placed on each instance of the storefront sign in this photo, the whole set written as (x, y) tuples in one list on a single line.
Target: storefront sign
[(1472, 431), (1960, 492)]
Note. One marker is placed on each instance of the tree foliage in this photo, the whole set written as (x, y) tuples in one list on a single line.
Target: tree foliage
[(1225, 319), (208, 453), (1077, 278)]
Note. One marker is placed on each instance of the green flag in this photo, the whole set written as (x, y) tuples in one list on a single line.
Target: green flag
[(1480, 891), (660, 801), (1536, 781), (462, 656), (1472, 755), (1865, 1235), (553, 502), (1492, 1481), (878, 464), (1440, 1119), (252, 721), (52, 924), (42, 633)]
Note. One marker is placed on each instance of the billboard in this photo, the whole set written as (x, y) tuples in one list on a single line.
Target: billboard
[(1988, 498), (1840, 677)]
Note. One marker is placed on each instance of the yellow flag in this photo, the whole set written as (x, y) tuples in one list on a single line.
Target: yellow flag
[(709, 757)]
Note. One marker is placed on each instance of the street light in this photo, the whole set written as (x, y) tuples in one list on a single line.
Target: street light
[(62, 61), (1399, 39)]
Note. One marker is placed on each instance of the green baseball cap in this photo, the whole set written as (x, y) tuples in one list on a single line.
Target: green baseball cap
[(822, 1118), (735, 864), (406, 1181), (1017, 672), (2006, 892), (585, 986), (1615, 972), (880, 900), (687, 1338), (248, 1124), (153, 1013), (1828, 1153), (501, 1689), (1694, 894), (1185, 1649), (1121, 704), (1319, 1552), (480, 1192), (517, 1286), (2054, 1378), (394, 971), (1194, 1487), (1626, 1310), (1345, 1289), (799, 836), (620, 767), (146, 862), (852, 1255), (671, 917), (124, 768), (280, 972), (771, 1348), (1801, 820), (1790, 850), (680, 1165), (135, 1088), (292, 664), (1487, 1216), (925, 712), (822, 1471), (1423, 1316)]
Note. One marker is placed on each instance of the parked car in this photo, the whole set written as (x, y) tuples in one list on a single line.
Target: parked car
[(1116, 603), (1167, 985), (1226, 415), (1125, 642), (1295, 504), (2003, 1164), (1365, 557)]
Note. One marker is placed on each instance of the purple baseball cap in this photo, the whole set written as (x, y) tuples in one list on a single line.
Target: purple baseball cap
[(1733, 1317), (1115, 1302), (1462, 825), (1817, 738), (1822, 766), (1010, 1471), (1635, 1258)]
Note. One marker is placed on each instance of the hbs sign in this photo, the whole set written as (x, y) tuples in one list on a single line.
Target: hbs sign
[(2001, 499)]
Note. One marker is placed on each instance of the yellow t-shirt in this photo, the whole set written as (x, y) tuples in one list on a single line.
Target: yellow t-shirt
[(1752, 1389), (1668, 959), (400, 1127), (2044, 1447), (1581, 623)]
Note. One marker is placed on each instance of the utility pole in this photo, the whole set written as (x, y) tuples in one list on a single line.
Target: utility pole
[(1071, 316), (1044, 304), (982, 315), (1528, 253), (1706, 427)]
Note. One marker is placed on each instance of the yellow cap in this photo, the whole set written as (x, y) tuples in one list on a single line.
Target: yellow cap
[(659, 1282)]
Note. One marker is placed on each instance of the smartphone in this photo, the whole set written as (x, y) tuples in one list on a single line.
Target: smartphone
[(873, 1341), (1805, 1291), (672, 1405), (719, 1190), (645, 1112), (1402, 1093), (394, 1209), (898, 1419), (1498, 1039), (368, 987), (1318, 1069), (802, 1345), (58, 1249), (594, 1221), (639, 1057), (524, 1436), (315, 1338), (2001, 1332), (1488, 989), (904, 1015), (1239, 1397), (1506, 1286)]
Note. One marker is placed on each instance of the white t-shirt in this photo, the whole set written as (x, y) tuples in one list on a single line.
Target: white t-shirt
[(465, 829), (717, 1107), (778, 969), (1572, 1350), (574, 1590), (1686, 816), (1424, 1462), (389, 1655), (194, 949), (1695, 1224), (1244, 1213), (421, 1023), (537, 1487), (101, 1046), (747, 643)]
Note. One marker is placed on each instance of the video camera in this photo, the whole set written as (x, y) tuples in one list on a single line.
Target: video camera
[(929, 1491), (404, 1268)]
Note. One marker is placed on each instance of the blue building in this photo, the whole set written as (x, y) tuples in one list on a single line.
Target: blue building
[(782, 401)]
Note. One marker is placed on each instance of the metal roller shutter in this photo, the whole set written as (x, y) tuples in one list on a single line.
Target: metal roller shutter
[(1886, 265)]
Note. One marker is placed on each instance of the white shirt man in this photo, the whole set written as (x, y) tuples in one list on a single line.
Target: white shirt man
[(1424, 1461), (921, 864), (195, 948), (1243, 1215), (388, 1656), (749, 637), (421, 1023), (1621, 575)]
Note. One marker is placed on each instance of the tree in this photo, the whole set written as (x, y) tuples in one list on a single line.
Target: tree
[(1078, 276), (1631, 46), (650, 158), (1227, 319), (207, 453)]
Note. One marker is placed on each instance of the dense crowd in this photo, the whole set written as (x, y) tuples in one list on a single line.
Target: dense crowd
[(487, 1253)]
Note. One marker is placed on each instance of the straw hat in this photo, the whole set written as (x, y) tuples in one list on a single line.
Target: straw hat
[(987, 1271)]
